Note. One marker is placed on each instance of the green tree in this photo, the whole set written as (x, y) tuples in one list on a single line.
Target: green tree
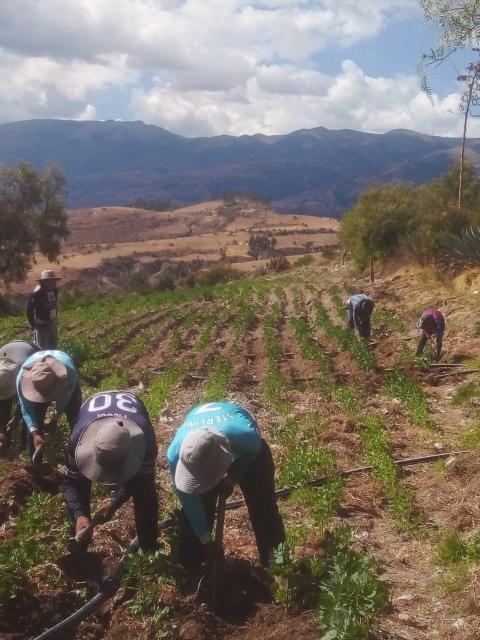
[(374, 228), (32, 218), (459, 24)]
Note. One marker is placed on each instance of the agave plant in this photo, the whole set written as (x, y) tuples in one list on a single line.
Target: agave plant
[(464, 247)]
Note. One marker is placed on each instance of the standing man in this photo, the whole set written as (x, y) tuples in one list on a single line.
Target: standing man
[(12, 357), (46, 377), (432, 323), (218, 445), (359, 310), (113, 443), (42, 310)]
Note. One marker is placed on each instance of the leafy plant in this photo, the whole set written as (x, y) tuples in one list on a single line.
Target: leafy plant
[(342, 586), (39, 536)]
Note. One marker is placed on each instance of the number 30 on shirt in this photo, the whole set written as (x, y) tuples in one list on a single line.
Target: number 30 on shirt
[(114, 402)]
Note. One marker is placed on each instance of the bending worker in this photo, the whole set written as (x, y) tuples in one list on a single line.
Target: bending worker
[(113, 443), (219, 444), (359, 310), (42, 310), (432, 323), (46, 377), (12, 357)]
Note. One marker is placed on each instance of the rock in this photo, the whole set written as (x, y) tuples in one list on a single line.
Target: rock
[(404, 617), (458, 624), (405, 597)]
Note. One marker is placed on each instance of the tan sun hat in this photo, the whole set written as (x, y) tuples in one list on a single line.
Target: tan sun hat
[(204, 459), (48, 274), (111, 450), (8, 376), (45, 380)]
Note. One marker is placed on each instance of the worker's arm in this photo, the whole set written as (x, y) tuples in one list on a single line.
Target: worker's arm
[(77, 489), (195, 512)]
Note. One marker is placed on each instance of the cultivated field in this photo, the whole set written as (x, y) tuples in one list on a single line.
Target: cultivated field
[(207, 231), (326, 403)]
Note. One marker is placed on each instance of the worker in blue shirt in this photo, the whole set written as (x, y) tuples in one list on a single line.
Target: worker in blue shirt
[(113, 443), (46, 377), (218, 445), (359, 310)]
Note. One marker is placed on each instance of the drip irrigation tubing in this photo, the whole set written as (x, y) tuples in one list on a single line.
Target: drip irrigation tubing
[(111, 582)]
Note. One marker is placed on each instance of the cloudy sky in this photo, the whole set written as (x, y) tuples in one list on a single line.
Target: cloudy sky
[(207, 67)]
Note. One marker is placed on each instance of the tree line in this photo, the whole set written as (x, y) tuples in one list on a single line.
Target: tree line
[(417, 221)]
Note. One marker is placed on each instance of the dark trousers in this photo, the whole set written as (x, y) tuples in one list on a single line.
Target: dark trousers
[(6, 407), (145, 505), (71, 411), (258, 488), (423, 341), (361, 323)]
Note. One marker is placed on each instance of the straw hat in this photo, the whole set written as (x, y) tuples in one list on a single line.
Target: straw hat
[(8, 376), (44, 380), (48, 274), (205, 458), (111, 450)]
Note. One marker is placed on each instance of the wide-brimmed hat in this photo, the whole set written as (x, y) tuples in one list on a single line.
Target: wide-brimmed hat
[(48, 274), (8, 376), (111, 450), (44, 380), (205, 458)]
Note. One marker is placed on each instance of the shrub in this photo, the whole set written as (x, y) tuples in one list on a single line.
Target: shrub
[(219, 273)]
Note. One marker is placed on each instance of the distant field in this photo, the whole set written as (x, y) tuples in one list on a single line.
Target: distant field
[(200, 231)]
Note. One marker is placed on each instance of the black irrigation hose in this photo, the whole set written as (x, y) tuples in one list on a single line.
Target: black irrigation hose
[(111, 583)]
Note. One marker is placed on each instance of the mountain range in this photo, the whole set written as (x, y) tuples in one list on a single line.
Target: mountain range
[(315, 171)]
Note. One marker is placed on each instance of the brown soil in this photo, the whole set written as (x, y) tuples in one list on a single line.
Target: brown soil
[(424, 607)]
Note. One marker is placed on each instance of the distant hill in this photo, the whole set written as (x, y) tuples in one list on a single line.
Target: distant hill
[(314, 171)]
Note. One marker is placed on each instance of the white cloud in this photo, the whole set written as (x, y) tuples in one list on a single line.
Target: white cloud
[(280, 99), (202, 67)]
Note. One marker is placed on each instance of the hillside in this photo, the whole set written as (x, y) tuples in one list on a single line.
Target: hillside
[(325, 403), (316, 171), (203, 232)]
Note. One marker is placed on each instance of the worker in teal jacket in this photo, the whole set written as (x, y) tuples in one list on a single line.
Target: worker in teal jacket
[(46, 377), (218, 445)]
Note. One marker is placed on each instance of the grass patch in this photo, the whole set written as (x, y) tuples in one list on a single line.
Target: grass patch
[(399, 385), (217, 382), (160, 388), (39, 538), (376, 446), (346, 338), (471, 438), (466, 392)]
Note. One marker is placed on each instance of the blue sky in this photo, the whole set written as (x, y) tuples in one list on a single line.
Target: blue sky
[(207, 67)]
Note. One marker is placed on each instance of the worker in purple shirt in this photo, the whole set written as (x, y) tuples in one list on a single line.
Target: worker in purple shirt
[(47, 377), (113, 443), (432, 323), (218, 445), (359, 310), (12, 357)]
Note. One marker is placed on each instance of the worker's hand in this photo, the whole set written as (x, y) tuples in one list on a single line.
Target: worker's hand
[(38, 441), (104, 513), (82, 522), (11, 424)]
